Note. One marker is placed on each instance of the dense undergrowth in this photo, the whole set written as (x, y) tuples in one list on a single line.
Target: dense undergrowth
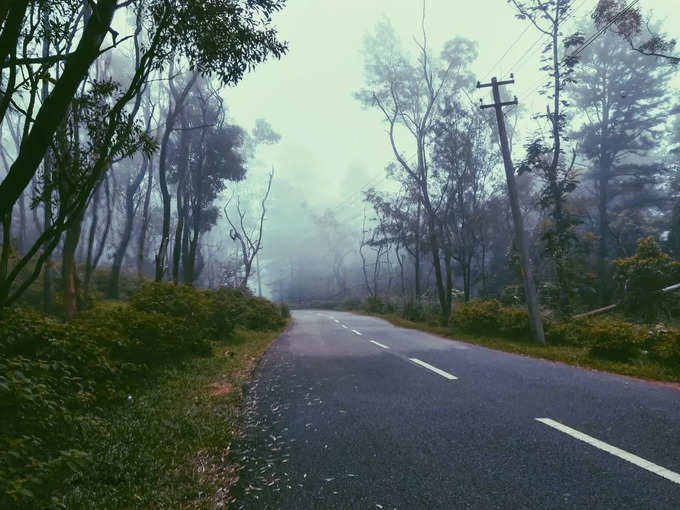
[(601, 339), (60, 380)]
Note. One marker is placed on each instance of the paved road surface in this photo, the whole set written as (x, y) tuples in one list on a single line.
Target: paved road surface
[(347, 411)]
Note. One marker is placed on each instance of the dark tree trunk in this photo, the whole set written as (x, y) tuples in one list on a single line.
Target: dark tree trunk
[(90, 239), (417, 255), (68, 269), (54, 109), (114, 278), (181, 199), (162, 161), (145, 222)]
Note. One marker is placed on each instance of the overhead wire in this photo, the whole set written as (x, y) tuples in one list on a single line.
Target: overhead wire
[(537, 86)]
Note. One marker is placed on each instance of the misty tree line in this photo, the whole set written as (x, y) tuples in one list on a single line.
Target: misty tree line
[(115, 140), (597, 170)]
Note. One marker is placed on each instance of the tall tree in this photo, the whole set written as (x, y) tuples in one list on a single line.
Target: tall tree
[(623, 98), (626, 20), (409, 94), (464, 162), (547, 160), (249, 238)]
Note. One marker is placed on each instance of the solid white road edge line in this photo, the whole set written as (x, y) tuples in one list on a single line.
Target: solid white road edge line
[(356, 332), (434, 369), (379, 344), (633, 459)]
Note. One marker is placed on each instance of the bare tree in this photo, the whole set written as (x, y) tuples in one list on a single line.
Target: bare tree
[(249, 239)]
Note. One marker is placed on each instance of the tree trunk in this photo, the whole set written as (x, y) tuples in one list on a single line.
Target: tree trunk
[(162, 161), (417, 254), (68, 269), (35, 145), (145, 223), (114, 278), (181, 199), (90, 239)]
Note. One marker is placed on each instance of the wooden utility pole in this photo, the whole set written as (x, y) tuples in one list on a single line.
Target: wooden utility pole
[(520, 234)]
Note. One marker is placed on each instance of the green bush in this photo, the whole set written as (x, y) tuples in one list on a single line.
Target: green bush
[(57, 377), (664, 345), (490, 318), (47, 386), (203, 314), (413, 311), (259, 314), (641, 278), (613, 339), (478, 316), (373, 305), (565, 333)]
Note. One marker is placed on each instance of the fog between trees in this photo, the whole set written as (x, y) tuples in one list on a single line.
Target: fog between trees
[(121, 158)]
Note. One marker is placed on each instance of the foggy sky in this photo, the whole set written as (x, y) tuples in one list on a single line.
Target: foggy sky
[(331, 148)]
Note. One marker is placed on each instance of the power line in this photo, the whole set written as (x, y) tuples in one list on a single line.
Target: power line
[(604, 28), (583, 46), (567, 16), (526, 29)]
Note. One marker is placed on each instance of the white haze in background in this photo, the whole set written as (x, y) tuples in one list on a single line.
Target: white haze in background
[(330, 148)]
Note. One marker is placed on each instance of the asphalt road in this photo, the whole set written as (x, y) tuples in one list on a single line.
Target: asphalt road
[(347, 411)]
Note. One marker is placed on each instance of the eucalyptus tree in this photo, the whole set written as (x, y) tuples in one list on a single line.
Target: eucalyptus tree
[(248, 237), (623, 97), (408, 93), (464, 161), (626, 20), (47, 50), (548, 160)]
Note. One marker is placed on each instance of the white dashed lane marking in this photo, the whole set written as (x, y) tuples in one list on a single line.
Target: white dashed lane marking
[(379, 344), (623, 454), (434, 369), (356, 332), (344, 326)]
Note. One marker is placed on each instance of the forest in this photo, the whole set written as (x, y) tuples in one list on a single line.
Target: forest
[(596, 173), (147, 234)]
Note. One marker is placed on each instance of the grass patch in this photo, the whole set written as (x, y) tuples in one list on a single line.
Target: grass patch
[(166, 447), (573, 355)]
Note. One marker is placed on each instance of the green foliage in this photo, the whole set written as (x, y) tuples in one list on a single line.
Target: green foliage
[(642, 277), (491, 318), (373, 305), (259, 314), (664, 345), (48, 381), (614, 339), (56, 378), (606, 338)]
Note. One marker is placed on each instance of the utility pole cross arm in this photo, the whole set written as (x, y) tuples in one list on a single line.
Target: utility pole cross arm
[(535, 322)]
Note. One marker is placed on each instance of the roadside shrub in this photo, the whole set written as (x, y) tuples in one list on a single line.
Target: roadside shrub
[(514, 323), (413, 311), (566, 332), (260, 314), (478, 316), (613, 339), (664, 345), (641, 278), (225, 307), (173, 300), (46, 387), (490, 318), (373, 305), (285, 311)]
